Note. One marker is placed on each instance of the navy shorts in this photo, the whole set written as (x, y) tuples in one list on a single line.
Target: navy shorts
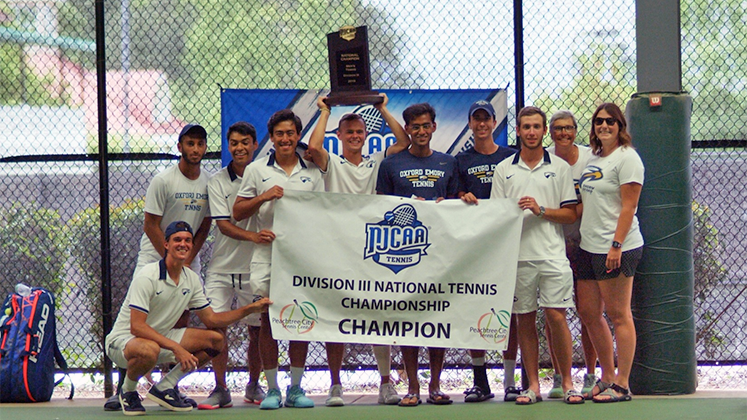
[(592, 266)]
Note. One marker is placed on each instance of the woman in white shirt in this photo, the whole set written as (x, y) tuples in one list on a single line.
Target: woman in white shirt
[(563, 129), (611, 247)]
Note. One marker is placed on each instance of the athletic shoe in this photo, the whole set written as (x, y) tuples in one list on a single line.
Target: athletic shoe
[(253, 393), (130, 403), (272, 401), (112, 404), (169, 399), (219, 398), (388, 395), (296, 397), (186, 399), (557, 387), (335, 397)]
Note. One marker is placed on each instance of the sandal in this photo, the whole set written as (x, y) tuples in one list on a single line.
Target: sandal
[(589, 381), (531, 397), (477, 394), (438, 398), (410, 400), (573, 397), (599, 385), (511, 394), (612, 392)]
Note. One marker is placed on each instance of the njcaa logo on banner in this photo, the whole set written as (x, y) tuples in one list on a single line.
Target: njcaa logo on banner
[(398, 241)]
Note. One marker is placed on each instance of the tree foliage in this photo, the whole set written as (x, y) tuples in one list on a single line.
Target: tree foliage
[(201, 44), (32, 248), (605, 72), (126, 228), (714, 50)]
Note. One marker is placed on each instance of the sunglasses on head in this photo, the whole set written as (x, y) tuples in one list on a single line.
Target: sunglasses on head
[(609, 121)]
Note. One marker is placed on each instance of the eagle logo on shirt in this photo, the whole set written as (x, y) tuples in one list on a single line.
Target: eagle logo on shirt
[(591, 173)]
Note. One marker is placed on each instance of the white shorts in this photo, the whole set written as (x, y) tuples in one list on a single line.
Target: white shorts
[(552, 280), (115, 346), (260, 279), (221, 289)]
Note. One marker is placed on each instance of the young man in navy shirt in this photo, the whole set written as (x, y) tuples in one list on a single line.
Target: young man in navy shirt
[(475, 166), (425, 174)]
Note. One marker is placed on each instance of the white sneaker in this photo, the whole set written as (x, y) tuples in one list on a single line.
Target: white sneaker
[(335, 397), (388, 395)]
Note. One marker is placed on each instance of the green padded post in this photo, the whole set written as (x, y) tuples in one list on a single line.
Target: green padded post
[(665, 362)]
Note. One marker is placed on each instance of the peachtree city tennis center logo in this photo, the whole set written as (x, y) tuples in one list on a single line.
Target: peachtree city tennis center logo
[(298, 317), (398, 241), (493, 326)]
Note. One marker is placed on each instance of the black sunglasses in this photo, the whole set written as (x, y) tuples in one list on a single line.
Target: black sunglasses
[(610, 121)]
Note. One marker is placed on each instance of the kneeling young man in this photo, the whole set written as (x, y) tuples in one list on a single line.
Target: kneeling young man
[(143, 335)]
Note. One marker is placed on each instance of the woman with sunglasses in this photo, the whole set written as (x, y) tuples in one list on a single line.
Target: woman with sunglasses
[(611, 247)]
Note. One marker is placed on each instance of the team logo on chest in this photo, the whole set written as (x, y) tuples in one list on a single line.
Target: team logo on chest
[(484, 173), (398, 241), (590, 173), (422, 177)]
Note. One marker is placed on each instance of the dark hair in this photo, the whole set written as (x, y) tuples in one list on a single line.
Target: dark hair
[(528, 111), (243, 128), (283, 115), (623, 138), (414, 111), (349, 117)]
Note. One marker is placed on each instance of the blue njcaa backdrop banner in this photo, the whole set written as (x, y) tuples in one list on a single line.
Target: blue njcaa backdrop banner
[(391, 270), (452, 136)]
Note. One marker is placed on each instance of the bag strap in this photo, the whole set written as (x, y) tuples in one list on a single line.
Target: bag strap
[(63, 365)]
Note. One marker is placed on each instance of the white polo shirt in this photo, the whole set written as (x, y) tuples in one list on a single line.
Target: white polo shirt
[(551, 185), (174, 197), (263, 174), (342, 176), (230, 256), (571, 231), (153, 292), (600, 188)]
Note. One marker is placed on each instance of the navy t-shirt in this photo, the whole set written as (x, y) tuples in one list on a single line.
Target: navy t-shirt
[(476, 170), (429, 177)]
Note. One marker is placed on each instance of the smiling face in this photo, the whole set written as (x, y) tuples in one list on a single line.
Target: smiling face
[(285, 137), (482, 124), (606, 133), (241, 147), (179, 245), (563, 132), (192, 149), (352, 134), (421, 129), (531, 130)]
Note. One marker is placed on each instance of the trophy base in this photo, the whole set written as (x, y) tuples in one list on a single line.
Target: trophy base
[(354, 98)]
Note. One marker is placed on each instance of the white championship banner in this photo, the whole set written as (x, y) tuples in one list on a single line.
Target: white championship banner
[(390, 270)]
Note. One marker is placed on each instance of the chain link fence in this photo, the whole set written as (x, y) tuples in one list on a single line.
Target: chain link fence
[(166, 62)]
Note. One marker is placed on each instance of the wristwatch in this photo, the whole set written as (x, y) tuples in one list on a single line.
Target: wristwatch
[(616, 244), (542, 212)]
